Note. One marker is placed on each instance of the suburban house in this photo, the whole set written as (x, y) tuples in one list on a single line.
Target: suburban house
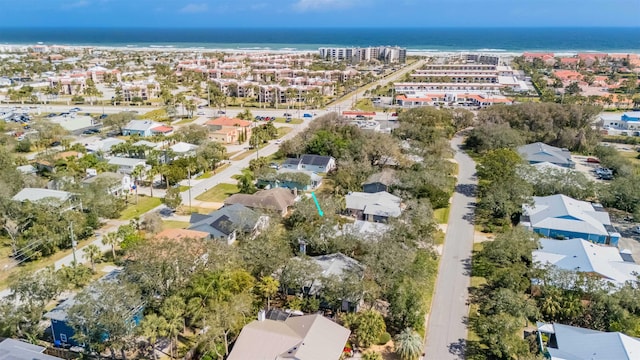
[(307, 337), (541, 152), (381, 181), (181, 234), (63, 333), (338, 265), (66, 199), (183, 149), (12, 349), (363, 230), (225, 223), (314, 163), (103, 147), (376, 207), (604, 262), (141, 127), (127, 165), (291, 179), (273, 200), (119, 183), (565, 342), (229, 130), (559, 216)]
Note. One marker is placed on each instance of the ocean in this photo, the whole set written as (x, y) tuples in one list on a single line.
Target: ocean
[(568, 40)]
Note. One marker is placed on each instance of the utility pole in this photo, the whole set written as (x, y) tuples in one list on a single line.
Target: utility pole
[(73, 244), (189, 177)]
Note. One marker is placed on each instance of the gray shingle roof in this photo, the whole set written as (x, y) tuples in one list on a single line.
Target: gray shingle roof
[(272, 200), (224, 221), (541, 152), (308, 337)]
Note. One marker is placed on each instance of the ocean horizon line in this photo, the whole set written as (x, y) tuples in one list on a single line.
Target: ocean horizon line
[(567, 39)]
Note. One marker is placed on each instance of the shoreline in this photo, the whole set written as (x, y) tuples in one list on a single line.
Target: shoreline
[(293, 50)]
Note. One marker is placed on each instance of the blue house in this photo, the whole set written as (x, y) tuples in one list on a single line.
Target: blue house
[(561, 217), (63, 333), (142, 128)]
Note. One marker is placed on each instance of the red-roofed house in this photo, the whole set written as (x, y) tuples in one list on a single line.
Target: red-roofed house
[(572, 61), (229, 131), (163, 130), (567, 75)]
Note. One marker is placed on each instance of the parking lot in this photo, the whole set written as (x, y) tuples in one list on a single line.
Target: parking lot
[(587, 168)]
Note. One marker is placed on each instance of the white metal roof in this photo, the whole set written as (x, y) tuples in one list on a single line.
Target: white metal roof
[(380, 203), (584, 256), (38, 194), (561, 212), (585, 344)]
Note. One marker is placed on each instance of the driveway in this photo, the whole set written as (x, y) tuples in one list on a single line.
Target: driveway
[(447, 322)]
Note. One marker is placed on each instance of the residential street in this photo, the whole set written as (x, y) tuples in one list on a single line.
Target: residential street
[(447, 328)]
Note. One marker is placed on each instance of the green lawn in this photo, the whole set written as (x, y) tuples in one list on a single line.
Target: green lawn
[(185, 121), (173, 224), (183, 188), (282, 131), (244, 154), (441, 215), (218, 193), (145, 203), (292, 122)]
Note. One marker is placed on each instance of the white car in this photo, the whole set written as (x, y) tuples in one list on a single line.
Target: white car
[(636, 229)]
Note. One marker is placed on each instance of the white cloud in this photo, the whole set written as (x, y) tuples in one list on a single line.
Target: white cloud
[(320, 5), (194, 8)]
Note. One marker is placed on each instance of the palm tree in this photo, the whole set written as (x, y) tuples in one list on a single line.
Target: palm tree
[(408, 344), (245, 182), (152, 327), (112, 240), (136, 173), (268, 287), (151, 174), (173, 309), (93, 253)]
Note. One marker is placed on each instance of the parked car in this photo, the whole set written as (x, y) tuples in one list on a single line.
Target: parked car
[(55, 143), (288, 120), (221, 112), (394, 114), (593, 160), (286, 115), (307, 115), (200, 112)]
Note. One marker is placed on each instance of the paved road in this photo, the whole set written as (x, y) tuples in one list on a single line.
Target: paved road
[(447, 329), (226, 176)]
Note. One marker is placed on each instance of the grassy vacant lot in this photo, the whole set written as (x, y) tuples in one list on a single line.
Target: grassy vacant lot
[(282, 131), (218, 193), (631, 155), (292, 122), (174, 224), (441, 215), (159, 115), (145, 203), (244, 154)]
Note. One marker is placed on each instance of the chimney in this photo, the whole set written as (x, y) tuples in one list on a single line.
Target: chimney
[(262, 315)]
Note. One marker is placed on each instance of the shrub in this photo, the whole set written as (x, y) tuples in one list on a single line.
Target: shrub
[(384, 338)]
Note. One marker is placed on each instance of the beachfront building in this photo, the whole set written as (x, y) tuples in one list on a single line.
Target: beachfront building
[(479, 100), (387, 54)]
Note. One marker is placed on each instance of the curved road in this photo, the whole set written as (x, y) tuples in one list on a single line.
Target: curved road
[(447, 326)]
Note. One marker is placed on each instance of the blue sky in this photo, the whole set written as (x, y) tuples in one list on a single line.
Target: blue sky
[(318, 13)]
